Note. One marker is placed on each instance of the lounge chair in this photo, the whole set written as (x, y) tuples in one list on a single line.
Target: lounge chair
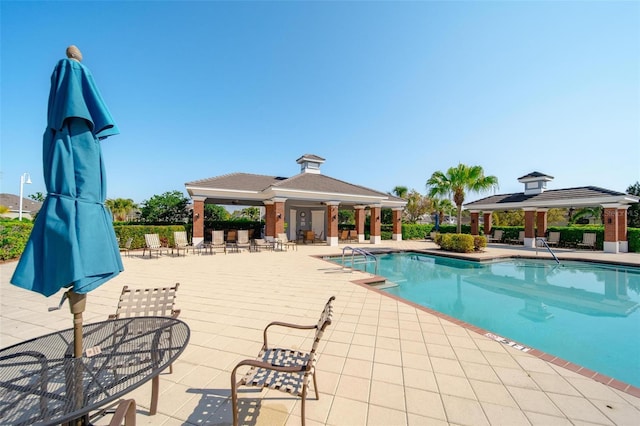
[(344, 235), (180, 242), (243, 240), (588, 240), (554, 239), (217, 241), (148, 302), (258, 244), (152, 242), (353, 236), (127, 246), (283, 242), (232, 236), (283, 369), (497, 236), (519, 240)]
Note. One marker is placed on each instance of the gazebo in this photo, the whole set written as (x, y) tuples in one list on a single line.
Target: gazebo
[(536, 200), (308, 201)]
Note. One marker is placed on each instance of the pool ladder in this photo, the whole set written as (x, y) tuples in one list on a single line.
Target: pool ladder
[(544, 242), (363, 257)]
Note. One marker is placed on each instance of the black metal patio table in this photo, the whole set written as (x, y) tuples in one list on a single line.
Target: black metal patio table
[(41, 382)]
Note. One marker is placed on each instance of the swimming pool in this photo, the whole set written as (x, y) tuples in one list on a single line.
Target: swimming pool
[(585, 313)]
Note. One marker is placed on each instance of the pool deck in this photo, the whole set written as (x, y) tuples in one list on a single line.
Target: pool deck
[(382, 361)]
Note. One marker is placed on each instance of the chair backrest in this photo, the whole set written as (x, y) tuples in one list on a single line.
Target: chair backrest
[(353, 233), (217, 237), (554, 236), (243, 236), (180, 238), (127, 245), (232, 235), (283, 238), (589, 238), (325, 320), (344, 234), (152, 240), (147, 302), (497, 234)]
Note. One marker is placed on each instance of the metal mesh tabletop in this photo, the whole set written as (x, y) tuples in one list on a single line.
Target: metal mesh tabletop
[(41, 382)]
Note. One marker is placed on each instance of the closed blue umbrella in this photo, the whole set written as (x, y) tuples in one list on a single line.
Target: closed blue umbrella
[(73, 244)]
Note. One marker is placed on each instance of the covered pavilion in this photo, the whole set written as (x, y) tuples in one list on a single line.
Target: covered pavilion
[(308, 201), (536, 200)]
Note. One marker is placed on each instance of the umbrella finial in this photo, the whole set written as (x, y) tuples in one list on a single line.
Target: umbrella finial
[(74, 53)]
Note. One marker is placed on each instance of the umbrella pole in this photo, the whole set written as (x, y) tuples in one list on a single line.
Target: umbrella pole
[(77, 304)]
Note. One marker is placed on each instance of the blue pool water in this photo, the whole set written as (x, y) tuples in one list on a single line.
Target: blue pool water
[(586, 313)]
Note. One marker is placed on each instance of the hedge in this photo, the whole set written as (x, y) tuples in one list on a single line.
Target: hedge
[(123, 232), (14, 235)]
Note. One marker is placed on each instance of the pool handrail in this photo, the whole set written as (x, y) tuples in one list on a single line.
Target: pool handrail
[(367, 257), (544, 242)]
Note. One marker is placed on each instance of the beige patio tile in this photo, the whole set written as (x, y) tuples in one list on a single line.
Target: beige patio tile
[(353, 388), (554, 383), (347, 412), (364, 340), (535, 401), (501, 360), (411, 346), (515, 377), (464, 411), (493, 393), (382, 416), (593, 389), (447, 366), (539, 419), (479, 372), (387, 373), (580, 409), (387, 395), (416, 420), (500, 415), (331, 363), (387, 343), (361, 352), (391, 332), (335, 348), (388, 356), (465, 342), (420, 379), (340, 337), (454, 385), (470, 355)]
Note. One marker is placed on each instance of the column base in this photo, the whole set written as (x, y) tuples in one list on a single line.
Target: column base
[(396, 237), (375, 239), (332, 241), (610, 246)]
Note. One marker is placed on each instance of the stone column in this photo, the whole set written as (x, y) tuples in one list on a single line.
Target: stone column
[(374, 224), (198, 221), (623, 243), (360, 216), (396, 214), (332, 223), (269, 220)]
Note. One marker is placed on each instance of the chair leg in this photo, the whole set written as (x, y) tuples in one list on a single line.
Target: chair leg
[(315, 385), (155, 387), (234, 398), (304, 398), (126, 411)]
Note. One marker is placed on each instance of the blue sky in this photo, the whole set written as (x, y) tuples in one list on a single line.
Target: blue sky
[(386, 92)]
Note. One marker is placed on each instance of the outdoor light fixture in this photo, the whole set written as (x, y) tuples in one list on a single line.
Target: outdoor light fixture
[(197, 215), (333, 218), (24, 178), (279, 215)]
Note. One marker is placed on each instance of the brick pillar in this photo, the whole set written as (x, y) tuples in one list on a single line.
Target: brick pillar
[(332, 223), (198, 222), (360, 216), (529, 228), (622, 224), (278, 208), (488, 222), (270, 220), (541, 223), (475, 216), (374, 225), (396, 215), (610, 244)]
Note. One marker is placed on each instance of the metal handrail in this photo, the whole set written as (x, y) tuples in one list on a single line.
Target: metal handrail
[(368, 257), (544, 242)]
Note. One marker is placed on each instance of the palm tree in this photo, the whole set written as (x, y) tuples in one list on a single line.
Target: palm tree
[(121, 207), (456, 181), (400, 191), (442, 206)]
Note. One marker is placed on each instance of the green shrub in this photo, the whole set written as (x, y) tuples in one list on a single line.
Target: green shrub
[(14, 235), (633, 236), (123, 232), (460, 243), (479, 242), (415, 231)]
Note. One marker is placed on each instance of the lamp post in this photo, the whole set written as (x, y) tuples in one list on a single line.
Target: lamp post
[(24, 178)]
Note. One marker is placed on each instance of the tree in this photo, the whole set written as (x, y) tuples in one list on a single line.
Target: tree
[(251, 213), (38, 196), (215, 212), (442, 206), (633, 213), (458, 180), (417, 206), (400, 191), (585, 214), (168, 207), (346, 217), (121, 207)]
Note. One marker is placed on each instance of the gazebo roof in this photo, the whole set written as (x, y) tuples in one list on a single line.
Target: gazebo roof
[(252, 189), (584, 196)]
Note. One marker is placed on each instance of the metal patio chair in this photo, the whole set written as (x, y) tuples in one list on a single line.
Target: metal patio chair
[(286, 370)]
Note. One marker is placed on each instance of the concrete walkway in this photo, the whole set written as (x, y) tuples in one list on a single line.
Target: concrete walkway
[(382, 362)]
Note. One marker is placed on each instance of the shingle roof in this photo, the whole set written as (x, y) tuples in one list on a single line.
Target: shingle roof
[(551, 196), (13, 203)]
